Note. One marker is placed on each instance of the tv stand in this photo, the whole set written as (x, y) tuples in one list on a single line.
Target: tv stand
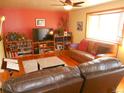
[(43, 46)]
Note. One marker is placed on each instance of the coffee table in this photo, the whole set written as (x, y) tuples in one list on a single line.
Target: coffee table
[(42, 63), (50, 62)]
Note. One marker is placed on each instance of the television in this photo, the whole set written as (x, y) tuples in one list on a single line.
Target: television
[(42, 34)]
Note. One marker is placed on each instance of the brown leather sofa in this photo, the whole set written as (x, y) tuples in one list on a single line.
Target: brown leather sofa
[(101, 75), (94, 50), (53, 80)]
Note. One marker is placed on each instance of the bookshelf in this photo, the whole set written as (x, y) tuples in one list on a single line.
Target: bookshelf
[(19, 47), (62, 42)]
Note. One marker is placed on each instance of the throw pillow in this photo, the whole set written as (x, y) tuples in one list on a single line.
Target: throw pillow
[(83, 45), (92, 48)]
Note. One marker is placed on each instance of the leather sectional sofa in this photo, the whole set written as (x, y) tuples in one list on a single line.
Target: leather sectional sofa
[(88, 50), (101, 75)]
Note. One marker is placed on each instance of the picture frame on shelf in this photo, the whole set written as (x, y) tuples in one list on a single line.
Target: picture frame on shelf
[(65, 33), (40, 22), (60, 47)]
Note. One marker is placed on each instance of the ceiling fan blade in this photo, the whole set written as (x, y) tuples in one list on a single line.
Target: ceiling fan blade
[(56, 5), (68, 1), (62, 1), (77, 3), (77, 6)]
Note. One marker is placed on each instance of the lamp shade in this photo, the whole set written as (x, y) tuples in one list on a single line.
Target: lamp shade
[(3, 18), (1, 22)]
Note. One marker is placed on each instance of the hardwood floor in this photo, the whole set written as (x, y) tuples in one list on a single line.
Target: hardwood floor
[(63, 55)]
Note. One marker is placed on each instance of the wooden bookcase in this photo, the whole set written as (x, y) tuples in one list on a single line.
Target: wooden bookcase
[(14, 48), (17, 48), (62, 42)]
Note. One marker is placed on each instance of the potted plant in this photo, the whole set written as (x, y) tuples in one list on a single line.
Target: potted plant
[(59, 31), (62, 26)]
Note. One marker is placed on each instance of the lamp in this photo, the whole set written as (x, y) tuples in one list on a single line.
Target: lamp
[(68, 7), (3, 18), (1, 22), (123, 36), (2, 55), (123, 42), (120, 44), (51, 32), (120, 40)]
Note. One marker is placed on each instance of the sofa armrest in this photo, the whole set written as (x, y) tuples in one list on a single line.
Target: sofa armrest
[(102, 78), (104, 55), (74, 45)]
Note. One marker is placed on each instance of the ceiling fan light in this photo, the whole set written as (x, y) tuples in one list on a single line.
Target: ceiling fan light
[(67, 7)]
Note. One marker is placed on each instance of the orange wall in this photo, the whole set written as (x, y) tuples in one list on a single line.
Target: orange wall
[(23, 20)]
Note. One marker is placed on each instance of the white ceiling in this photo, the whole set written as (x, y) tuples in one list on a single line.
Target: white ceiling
[(45, 4)]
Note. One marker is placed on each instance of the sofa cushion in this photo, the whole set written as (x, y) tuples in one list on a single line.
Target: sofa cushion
[(83, 53), (103, 49), (100, 64), (83, 45), (80, 56), (92, 48)]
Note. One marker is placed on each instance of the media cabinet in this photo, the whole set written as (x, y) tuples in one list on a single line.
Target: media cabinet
[(23, 47)]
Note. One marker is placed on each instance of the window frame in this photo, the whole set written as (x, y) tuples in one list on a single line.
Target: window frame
[(103, 12)]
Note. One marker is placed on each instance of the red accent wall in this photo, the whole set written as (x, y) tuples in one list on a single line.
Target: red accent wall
[(23, 20)]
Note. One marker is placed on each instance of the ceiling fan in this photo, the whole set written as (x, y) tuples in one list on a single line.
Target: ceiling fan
[(68, 4)]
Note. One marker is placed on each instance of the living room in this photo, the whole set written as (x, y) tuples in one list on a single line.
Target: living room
[(21, 17)]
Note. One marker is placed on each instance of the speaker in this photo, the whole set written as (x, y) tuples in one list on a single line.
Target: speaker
[(35, 33)]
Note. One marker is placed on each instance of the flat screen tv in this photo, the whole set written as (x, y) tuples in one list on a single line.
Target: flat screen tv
[(41, 34)]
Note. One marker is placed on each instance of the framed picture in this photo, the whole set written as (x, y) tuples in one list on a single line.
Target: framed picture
[(80, 26), (40, 22)]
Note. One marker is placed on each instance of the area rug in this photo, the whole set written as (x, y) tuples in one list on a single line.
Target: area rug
[(32, 65)]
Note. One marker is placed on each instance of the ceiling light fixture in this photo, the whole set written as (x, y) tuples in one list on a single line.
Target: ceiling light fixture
[(68, 7)]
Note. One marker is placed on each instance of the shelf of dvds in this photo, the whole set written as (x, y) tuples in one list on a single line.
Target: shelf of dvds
[(62, 42), (18, 48)]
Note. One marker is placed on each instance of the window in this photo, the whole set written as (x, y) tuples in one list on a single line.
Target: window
[(105, 27)]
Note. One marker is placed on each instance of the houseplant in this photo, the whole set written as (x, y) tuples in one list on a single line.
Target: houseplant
[(62, 26)]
